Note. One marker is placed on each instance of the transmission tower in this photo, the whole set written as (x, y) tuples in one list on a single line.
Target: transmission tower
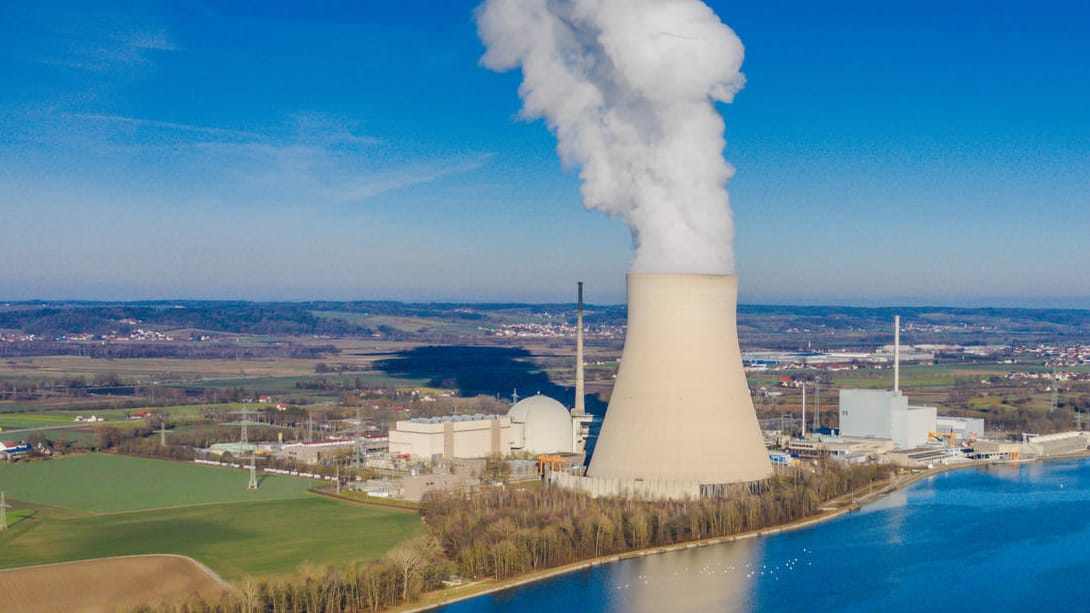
[(253, 472), (358, 453), (163, 431), (243, 435), (1055, 389), (4, 506)]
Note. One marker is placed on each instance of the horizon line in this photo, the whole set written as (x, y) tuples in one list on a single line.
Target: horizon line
[(1068, 303)]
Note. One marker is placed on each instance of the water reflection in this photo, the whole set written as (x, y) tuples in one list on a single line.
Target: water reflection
[(720, 578), (894, 506)]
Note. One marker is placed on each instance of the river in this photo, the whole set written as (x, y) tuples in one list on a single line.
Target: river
[(997, 538)]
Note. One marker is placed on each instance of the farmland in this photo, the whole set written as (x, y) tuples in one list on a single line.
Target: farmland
[(100, 483), (93, 506), (105, 585)]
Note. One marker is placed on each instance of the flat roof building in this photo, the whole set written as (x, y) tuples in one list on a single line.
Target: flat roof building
[(885, 414), (452, 436), (964, 428)]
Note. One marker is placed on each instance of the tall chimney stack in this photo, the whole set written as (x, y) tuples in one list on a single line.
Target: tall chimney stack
[(896, 353), (580, 401)]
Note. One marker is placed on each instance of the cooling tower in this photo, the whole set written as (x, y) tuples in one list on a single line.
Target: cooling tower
[(681, 410)]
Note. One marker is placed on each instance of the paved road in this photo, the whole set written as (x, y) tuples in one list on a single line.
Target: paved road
[(64, 427)]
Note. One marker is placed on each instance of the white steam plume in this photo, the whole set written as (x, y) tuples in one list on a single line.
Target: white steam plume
[(628, 88)]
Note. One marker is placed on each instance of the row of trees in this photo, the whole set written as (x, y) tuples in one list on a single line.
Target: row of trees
[(295, 319), (401, 576), (505, 532), (183, 349)]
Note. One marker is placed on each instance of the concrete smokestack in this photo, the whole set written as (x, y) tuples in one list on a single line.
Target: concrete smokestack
[(580, 402), (896, 353), (803, 409), (681, 409)]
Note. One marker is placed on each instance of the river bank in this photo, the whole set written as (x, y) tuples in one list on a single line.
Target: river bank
[(830, 510)]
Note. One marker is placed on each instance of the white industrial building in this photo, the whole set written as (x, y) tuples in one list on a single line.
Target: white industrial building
[(885, 414), (964, 428), (452, 436)]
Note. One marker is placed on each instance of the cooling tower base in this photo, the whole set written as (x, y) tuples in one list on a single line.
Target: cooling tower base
[(648, 490)]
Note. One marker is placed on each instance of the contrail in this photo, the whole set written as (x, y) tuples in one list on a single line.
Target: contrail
[(629, 88)]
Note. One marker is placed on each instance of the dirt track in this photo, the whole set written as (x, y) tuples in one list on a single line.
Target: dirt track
[(104, 585)]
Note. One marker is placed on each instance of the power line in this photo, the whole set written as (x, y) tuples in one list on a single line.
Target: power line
[(253, 472), (4, 506), (358, 453)]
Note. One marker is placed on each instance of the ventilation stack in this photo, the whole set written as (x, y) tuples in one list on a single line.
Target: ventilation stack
[(680, 421), (580, 407)]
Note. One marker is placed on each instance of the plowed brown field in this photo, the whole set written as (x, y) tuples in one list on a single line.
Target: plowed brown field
[(104, 585)]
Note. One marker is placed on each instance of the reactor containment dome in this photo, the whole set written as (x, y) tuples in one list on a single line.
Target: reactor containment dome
[(540, 424)]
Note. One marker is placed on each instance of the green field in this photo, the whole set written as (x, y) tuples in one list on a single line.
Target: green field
[(54, 417), (31, 420), (912, 376), (109, 484), (287, 385), (93, 506)]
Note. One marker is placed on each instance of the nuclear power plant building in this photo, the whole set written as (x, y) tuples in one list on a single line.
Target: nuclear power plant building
[(885, 414), (541, 425), (452, 436), (680, 422), (535, 425)]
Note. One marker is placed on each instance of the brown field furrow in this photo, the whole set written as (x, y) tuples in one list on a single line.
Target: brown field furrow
[(107, 584)]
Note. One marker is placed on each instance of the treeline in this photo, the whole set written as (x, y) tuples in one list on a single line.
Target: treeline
[(401, 576), (143, 438), (291, 319), (191, 350), (1021, 419), (1015, 407), (505, 532)]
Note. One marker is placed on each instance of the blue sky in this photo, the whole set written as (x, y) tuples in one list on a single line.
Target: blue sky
[(886, 153)]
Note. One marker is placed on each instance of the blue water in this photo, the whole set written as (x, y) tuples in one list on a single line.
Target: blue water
[(999, 538)]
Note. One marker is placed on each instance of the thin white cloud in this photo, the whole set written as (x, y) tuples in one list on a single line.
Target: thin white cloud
[(88, 41), (310, 159), (329, 130), (324, 174), (362, 188), (166, 125)]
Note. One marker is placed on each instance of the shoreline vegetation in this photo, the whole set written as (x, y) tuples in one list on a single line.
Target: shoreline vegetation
[(831, 510)]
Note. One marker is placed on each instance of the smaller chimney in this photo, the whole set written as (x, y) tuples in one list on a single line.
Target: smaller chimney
[(803, 409), (580, 403), (897, 353)]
